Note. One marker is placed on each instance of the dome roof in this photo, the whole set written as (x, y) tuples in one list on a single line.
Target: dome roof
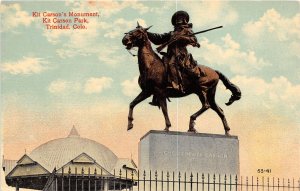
[(58, 152)]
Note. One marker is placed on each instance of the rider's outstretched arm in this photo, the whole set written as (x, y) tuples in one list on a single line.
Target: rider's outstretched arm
[(158, 39)]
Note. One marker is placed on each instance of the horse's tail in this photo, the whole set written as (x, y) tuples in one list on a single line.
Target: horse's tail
[(236, 92)]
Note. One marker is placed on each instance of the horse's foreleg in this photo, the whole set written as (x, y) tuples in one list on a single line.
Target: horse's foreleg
[(141, 97), (205, 106), (164, 107)]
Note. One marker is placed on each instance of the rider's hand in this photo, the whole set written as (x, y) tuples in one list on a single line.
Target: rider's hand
[(176, 36)]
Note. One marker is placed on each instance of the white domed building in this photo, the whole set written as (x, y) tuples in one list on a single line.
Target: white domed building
[(72, 163)]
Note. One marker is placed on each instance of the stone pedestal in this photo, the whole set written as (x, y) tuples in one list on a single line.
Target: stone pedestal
[(189, 152)]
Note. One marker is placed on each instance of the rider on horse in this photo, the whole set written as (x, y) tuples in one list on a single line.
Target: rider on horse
[(177, 59), (153, 72)]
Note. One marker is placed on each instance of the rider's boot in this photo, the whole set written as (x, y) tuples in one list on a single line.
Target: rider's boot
[(154, 101)]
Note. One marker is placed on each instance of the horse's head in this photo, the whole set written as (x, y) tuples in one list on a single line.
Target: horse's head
[(136, 37)]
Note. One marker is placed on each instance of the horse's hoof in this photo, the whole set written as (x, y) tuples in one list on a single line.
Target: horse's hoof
[(192, 125), (193, 130), (166, 129), (227, 133), (130, 126)]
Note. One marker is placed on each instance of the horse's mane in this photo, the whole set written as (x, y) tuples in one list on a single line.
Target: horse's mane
[(155, 54)]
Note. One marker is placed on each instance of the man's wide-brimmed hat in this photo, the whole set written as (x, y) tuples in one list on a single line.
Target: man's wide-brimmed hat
[(180, 17)]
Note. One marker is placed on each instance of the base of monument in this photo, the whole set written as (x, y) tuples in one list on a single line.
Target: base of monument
[(189, 152)]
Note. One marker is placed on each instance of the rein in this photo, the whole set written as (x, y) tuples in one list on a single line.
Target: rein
[(131, 53)]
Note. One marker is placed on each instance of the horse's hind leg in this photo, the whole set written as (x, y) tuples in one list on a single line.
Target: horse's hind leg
[(205, 105), (217, 109), (141, 97)]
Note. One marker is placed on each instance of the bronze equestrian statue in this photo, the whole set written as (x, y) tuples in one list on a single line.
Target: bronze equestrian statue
[(177, 73)]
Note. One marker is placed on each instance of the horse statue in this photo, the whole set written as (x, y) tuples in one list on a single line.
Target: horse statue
[(153, 81)]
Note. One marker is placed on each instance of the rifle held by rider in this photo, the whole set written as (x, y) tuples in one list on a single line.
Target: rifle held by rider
[(161, 47)]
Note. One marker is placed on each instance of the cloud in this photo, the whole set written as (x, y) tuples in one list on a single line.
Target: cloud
[(63, 86), (109, 7), (277, 95), (294, 48), (97, 85), (275, 25), (130, 87), (57, 86), (208, 13), (13, 17), (231, 55), (27, 65), (108, 56), (91, 85), (116, 29)]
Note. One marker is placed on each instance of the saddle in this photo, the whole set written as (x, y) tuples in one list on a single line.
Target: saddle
[(188, 66)]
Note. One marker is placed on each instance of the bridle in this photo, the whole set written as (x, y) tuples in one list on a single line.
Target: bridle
[(134, 41), (131, 53)]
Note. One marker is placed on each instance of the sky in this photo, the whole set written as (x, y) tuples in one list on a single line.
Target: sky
[(54, 79)]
